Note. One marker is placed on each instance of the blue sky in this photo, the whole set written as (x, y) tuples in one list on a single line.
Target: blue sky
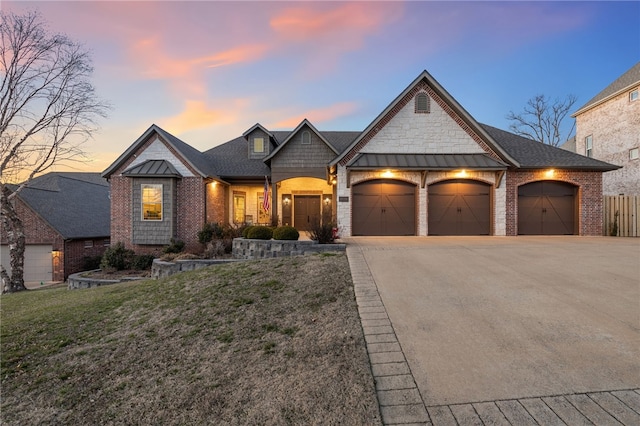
[(206, 71)]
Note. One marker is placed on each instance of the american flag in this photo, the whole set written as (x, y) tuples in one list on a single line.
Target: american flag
[(265, 197)]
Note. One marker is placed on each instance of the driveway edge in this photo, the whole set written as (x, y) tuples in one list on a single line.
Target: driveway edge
[(399, 399)]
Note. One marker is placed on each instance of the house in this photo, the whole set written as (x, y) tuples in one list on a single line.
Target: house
[(66, 221), (608, 129), (424, 166)]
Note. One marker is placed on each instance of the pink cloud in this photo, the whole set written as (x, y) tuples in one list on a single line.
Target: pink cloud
[(304, 23), (196, 115), (319, 115)]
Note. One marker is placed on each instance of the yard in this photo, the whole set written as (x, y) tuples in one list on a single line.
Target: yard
[(263, 342)]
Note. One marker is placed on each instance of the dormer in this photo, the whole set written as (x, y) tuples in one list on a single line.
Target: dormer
[(259, 142)]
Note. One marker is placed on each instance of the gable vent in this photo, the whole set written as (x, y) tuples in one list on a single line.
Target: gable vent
[(422, 103)]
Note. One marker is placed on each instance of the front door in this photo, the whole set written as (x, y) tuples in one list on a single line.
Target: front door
[(306, 211)]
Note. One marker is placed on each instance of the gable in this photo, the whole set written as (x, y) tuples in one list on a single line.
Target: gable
[(303, 148), (441, 126), (157, 150), (411, 132)]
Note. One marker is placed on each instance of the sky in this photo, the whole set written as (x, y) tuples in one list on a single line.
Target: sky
[(207, 71)]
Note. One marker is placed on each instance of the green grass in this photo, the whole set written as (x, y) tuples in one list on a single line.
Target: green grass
[(267, 342)]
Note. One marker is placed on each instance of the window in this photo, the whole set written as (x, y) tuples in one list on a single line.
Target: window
[(422, 103), (106, 243), (306, 138), (588, 146), (258, 144), (88, 244), (633, 95), (151, 202), (239, 207), (634, 154), (263, 215)]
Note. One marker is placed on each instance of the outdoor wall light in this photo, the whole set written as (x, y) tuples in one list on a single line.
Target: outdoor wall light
[(286, 201), (327, 201), (387, 174), (462, 173), (333, 181), (550, 173)]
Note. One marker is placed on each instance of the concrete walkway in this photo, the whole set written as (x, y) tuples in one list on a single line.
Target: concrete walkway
[(402, 401)]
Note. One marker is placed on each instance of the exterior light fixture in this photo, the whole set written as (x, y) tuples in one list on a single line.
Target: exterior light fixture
[(550, 173), (286, 201), (333, 181), (462, 173), (327, 201), (387, 174)]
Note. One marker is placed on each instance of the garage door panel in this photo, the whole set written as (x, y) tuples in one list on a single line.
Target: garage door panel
[(459, 207), (383, 207), (37, 262), (547, 208)]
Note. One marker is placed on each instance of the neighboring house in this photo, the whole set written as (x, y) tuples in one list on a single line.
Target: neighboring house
[(66, 220), (608, 129), (424, 166)]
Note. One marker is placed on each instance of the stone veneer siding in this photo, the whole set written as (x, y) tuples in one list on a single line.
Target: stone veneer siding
[(615, 128), (589, 203)]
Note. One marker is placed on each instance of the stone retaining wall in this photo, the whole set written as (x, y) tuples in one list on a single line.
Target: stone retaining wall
[(246, 248), (77, 281), (161, 269)]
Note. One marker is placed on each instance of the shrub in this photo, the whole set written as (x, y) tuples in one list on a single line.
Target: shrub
[(285, 233), (322, 233), (142, 262), (215, 231), (91, 262), (260, 233), (246, 230), (117, 257), (176, 246)]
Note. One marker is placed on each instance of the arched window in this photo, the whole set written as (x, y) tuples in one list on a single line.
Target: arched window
[(306, 138), (422, 103)]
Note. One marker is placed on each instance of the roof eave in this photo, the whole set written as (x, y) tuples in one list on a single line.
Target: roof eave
[(589, 106)]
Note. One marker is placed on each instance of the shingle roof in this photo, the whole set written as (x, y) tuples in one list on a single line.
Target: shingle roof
[(535, 155), (231, 159), (76, 205), (426, 161), (621, 84), (153, 168)]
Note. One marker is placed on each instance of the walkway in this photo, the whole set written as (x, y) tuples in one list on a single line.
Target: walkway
[(401, 402)]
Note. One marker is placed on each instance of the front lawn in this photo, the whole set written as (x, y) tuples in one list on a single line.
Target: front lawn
[(275, 341)]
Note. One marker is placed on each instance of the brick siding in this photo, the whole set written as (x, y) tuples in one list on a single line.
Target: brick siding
[(589, 203)]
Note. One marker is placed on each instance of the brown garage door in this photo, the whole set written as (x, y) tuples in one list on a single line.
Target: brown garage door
[(459, 207), (547, 208), (384, 207)]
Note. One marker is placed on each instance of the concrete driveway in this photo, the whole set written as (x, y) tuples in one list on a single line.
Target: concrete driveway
[(497, 318)]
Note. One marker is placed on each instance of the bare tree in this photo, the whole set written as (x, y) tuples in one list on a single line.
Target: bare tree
[(542, 120), (48, 108)]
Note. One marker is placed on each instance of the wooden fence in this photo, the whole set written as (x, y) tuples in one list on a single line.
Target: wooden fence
[(622, 215)]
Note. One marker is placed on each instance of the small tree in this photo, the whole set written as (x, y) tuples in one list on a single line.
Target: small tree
[(542, 120), (48, 108)]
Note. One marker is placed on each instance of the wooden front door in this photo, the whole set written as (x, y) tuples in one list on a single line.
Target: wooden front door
[(306, 211)]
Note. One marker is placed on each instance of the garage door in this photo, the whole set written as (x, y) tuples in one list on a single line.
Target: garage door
[(547, 208), (459, 207), (37, 262), (384, 207)]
